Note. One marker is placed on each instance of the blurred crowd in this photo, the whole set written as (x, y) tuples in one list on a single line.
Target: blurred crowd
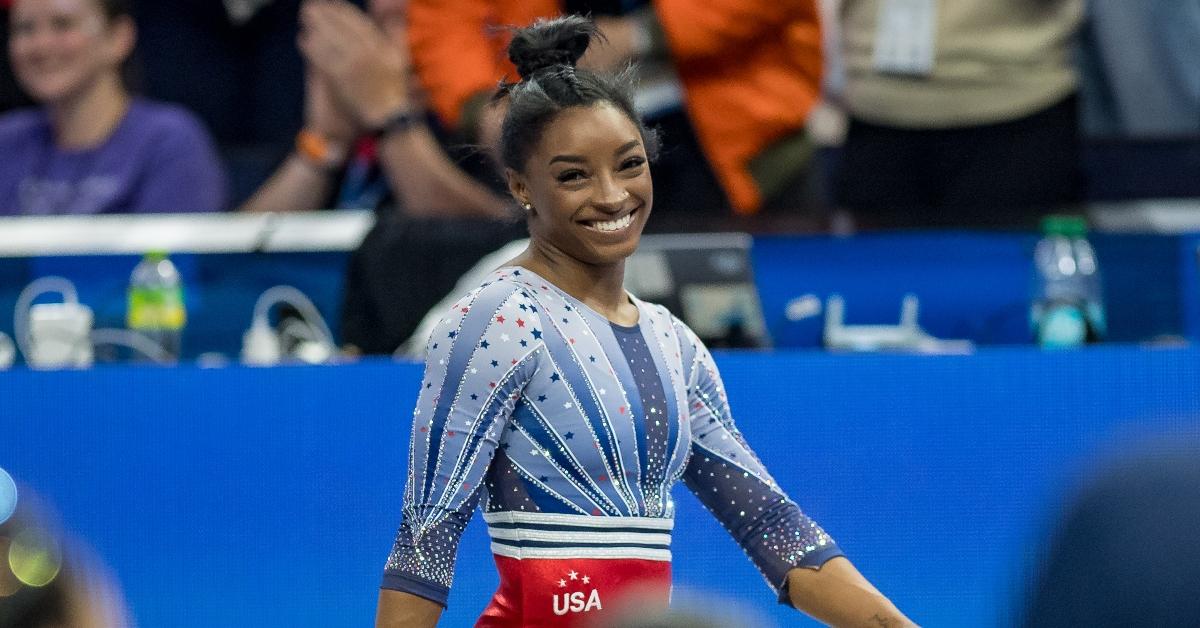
[(961, 112), (792, 115)]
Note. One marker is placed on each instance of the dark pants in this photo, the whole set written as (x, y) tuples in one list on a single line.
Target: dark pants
[(404, 267), (1004, 174)]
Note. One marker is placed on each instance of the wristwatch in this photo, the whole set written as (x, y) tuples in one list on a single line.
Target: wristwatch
[(402, 120)]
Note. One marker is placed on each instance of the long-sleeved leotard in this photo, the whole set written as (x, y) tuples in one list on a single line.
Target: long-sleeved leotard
[(572, 430)]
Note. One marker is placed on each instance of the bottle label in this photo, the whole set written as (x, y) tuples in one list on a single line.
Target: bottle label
[(156, 309)]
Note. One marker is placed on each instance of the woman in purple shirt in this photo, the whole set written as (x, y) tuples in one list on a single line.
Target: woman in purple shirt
[(91, 147)]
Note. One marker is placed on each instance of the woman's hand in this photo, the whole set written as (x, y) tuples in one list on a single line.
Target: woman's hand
[(367, 73), (839, 595)]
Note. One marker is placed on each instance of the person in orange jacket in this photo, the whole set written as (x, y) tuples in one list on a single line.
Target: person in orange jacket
[(748, 73)]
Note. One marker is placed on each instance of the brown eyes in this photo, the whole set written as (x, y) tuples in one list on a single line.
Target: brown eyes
[(568, 176), (633, 162)]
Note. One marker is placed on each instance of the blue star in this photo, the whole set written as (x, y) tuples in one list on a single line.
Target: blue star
[(592, 358), (568, 308), (484, 344), (533, 309), (474, 397), (452, 334), (516, 273), (537, 334), (523, 308), (524, 343), (435, 345), (495, 363), (554, 377), (541, 398), (566, 321), (569, 435), (543, 479)]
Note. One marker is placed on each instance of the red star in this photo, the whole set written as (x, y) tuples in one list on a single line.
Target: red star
[(520, 323), (572, 340), (465, 310), (500, 319), (491, 384), (450, 434)]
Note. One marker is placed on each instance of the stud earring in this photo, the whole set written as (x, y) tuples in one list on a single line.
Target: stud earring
[(527, 206)]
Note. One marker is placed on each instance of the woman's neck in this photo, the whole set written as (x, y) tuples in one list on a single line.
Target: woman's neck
[(87, 119), (600, 287)]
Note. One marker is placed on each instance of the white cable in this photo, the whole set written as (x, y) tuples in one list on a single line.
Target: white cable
[(8, 351), (297, 299), (132, 340), (298, 330), (35, 289)]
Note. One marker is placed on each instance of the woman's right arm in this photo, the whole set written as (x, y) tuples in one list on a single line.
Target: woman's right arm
[(472, 377), (405, 610)]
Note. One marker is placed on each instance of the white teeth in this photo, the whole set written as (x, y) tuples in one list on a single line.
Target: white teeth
[(614, 225)]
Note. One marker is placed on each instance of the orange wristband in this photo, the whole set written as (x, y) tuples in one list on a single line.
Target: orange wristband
[(315, 149)]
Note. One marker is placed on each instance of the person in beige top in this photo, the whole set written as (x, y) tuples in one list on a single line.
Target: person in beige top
[(962, 112)]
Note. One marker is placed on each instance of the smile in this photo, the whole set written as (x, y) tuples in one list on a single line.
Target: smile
[(611, 226)]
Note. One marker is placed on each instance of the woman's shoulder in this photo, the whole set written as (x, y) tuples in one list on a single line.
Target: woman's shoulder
[(503, 287), (166, 121), (23, 125)]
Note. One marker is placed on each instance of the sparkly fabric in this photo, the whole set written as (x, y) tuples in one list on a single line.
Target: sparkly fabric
[(533, 402)]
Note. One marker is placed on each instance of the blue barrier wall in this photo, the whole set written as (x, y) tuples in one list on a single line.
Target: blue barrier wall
[(972, 285), (268, 497)]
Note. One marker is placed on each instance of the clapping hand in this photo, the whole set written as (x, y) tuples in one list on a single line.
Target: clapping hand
[(365, 71)]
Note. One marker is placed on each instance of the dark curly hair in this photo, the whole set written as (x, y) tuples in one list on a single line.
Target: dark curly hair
[(545, 54)]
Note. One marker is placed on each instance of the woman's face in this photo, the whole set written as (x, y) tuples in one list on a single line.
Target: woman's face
[(588, 181), (59, 48)]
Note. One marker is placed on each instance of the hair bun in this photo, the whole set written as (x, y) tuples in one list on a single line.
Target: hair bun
[(549, 43)]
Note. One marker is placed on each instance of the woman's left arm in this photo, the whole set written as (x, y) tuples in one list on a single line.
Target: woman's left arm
[(802, 563)]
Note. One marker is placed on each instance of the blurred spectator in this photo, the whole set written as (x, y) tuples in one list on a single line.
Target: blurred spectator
[(366, 144), (962, 112), (50, 580), (729, 82), (1140, 76), (365, 141), (1127, 554), (90, 147)]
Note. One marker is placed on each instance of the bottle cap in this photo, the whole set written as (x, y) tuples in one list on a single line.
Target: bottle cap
[(1064, 225)]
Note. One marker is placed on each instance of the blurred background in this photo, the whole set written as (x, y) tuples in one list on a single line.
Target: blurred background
[(948, 252)]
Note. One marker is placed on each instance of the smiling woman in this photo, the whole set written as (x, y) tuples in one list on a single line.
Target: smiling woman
[(90, 147), (570, 408)]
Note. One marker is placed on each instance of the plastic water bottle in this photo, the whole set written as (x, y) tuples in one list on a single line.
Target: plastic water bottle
[(1068, 306), (156, 307)]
